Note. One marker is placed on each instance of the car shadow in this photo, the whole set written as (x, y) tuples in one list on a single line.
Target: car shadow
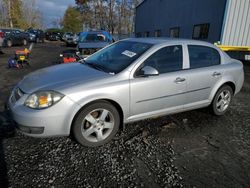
[(7, 130)]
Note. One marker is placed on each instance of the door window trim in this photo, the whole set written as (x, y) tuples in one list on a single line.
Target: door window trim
[(138, 66), (188, 57)]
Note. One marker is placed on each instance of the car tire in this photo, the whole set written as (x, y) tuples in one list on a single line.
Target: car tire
[(9, 43), (96, 124), (222, 100), (25, 42)]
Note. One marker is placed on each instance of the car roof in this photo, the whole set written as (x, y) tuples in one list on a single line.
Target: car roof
[(162, 40)]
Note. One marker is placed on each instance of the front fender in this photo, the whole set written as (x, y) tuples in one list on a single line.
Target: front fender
[(117, 94)]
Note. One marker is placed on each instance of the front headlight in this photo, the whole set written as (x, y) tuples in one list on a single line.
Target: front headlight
[(43, 99)]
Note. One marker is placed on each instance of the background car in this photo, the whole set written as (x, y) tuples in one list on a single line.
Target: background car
[(66, 35), (36, 35), (72, 39), (1, 40), (131, 80), (92, 41), (14, 37), (69, 56), (53, 36)]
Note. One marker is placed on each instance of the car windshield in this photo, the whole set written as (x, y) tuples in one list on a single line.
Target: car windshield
[(118, 56), (94, 37)]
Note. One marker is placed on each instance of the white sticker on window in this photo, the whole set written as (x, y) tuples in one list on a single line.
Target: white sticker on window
[(129, 53)]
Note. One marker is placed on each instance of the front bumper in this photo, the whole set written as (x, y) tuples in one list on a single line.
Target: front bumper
[(53, 121)]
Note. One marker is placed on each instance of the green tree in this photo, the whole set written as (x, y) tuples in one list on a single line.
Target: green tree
[(72, 20), (16, 13)]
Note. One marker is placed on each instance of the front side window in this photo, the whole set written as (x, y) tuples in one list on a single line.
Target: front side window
[(201, 31), (167, 59), (202, 56), (118, 56)]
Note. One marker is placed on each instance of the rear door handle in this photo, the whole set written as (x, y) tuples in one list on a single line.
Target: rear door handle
[(216, 74), (179, 80)]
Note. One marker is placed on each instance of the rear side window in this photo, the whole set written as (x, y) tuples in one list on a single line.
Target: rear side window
[(202, 56), (167, 59)]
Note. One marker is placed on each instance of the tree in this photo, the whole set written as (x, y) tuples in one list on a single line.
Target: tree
[(72, 20), (20, 14), (16, 14), (116, 16), (33, 17)]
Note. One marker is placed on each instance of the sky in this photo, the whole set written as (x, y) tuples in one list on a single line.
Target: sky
[(53, 10)]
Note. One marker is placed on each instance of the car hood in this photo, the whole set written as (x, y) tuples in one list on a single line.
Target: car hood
[(59, 77), (92, 44)]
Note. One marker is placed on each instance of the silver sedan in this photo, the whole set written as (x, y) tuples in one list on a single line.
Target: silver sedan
[(130, 80)]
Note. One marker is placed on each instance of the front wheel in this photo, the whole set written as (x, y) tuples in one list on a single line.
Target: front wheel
[(96, 124), (222, 100)]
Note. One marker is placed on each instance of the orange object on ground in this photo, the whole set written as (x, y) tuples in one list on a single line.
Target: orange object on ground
[(24, 52), (69, 60)]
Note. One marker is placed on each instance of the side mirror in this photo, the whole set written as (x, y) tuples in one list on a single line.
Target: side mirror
[(148, 71)]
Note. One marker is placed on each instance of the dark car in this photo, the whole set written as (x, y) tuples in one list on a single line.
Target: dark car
[(53, 36), (92, 41), (14, 37), (36, 35), (1, 40)]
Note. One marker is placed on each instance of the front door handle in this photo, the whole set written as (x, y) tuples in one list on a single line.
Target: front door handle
[(216, 74), (179, 80)]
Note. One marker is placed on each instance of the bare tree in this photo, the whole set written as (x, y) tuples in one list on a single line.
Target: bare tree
[(116, 16), (32, 14)]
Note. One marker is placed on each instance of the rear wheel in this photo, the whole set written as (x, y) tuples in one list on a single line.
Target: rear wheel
[(222, 100), (96, 124)]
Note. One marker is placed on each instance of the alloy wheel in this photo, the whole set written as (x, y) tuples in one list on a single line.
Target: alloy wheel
[(223, 100), (97, 125)]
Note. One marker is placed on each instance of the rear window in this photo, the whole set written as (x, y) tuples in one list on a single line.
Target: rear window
[(202, 56)]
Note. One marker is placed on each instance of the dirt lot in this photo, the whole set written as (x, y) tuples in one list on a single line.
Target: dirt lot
[(192, 149)]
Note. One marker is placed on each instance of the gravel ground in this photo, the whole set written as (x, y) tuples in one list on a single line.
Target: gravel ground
[(191, 149)]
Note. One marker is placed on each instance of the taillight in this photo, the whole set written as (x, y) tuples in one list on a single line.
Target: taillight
[(1, 34)]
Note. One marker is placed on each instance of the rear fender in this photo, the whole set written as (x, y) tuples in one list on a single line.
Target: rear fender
[(218, 85)]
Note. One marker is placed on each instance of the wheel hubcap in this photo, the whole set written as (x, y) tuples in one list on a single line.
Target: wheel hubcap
[(223, 101), (97, 125)]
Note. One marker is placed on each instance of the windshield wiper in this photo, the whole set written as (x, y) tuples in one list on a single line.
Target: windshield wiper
[(96, 66)]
